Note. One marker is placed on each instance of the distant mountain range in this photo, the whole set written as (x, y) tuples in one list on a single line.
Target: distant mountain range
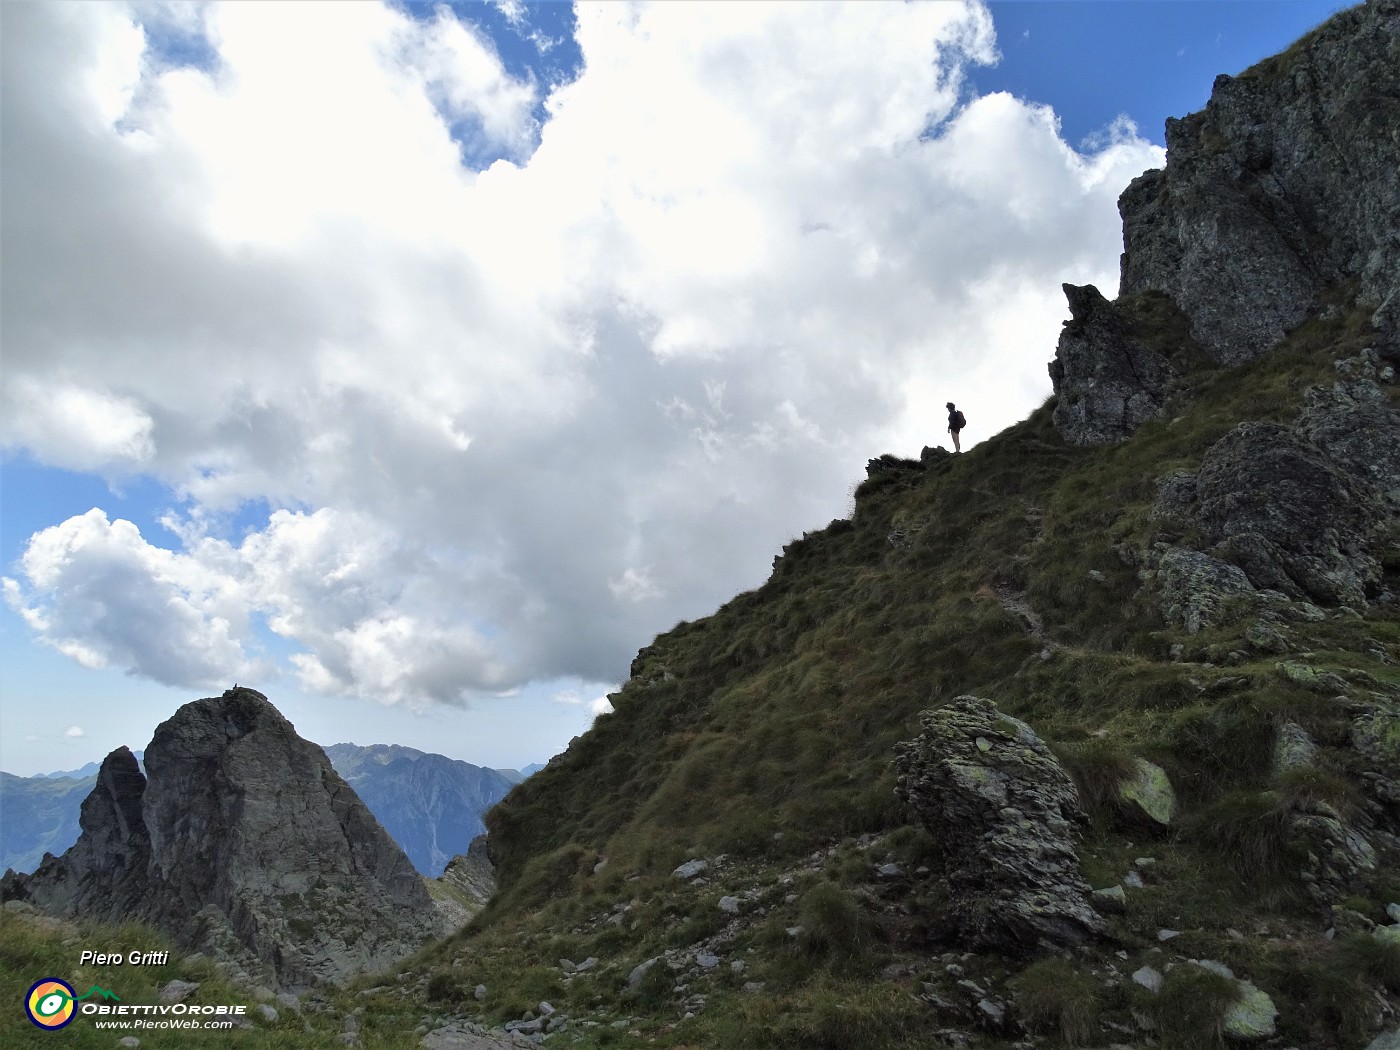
[(429, 804)]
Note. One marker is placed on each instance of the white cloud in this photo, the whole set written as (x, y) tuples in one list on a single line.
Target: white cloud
[(512, 10), (101, 595), (524, 417), (78, 428), (74, 731)]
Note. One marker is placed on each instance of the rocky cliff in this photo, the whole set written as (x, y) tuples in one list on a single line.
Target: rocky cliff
[(243, 842), (1278, 199)]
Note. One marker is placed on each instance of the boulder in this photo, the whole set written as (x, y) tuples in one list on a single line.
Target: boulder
[(1150, 791), (691, 868), (1194, 589), (1294, 748), (1004, 812)]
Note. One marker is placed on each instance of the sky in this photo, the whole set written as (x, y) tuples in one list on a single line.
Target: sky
[(418, 364)]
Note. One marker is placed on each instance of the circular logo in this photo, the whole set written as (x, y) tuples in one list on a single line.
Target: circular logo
[(49, 1003)]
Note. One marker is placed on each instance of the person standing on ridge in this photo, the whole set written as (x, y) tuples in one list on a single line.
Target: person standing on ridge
[(956, 421)]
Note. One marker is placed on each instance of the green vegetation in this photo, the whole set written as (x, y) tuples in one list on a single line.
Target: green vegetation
[(1057, 998), (763, 734), (32, 949)]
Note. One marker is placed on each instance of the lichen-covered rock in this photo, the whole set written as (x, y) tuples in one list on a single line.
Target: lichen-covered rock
[(1107, 382), (1294, 748), (1336, 853), (1194, 589), (1004, 814), (1283, 185), (243, 842), (1176, 495), (1353, 424), (1252, 1016), (1375, 736), (1149, 789)]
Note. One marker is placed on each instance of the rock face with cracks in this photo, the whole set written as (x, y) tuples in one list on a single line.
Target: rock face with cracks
[(242, 842), (1004, 811), (1304, 511), (1279, 195), (1109, 382), (1283, 185)]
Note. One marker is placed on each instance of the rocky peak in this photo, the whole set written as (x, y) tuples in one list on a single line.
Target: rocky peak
[(1283, 185), (1282, 189), (242, 841)]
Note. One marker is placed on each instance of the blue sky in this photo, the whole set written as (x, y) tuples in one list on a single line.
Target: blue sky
[(439, 358)]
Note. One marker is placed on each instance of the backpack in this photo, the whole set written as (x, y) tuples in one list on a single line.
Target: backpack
[(959, 420)]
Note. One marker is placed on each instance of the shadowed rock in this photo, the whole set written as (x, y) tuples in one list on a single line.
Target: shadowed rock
[(1281, 189), (1003, 811), (1107, 382)]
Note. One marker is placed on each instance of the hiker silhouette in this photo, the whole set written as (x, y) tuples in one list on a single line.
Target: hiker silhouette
[(956, 421)]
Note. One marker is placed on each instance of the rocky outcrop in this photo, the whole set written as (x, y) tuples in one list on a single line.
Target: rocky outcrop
[(1108, 381), (1003, 810), (243, 842), (1303, 511), (1193, 589), (1281, 187), (103, 876), (465, 885), (1287, 515), (41, 816), (1375, 736), (1353, 424)]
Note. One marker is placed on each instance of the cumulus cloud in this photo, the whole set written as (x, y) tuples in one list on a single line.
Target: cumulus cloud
[(74, 731), (520, 395), (102, 595), (78, 428)]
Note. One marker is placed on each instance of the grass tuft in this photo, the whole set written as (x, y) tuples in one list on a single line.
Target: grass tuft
[(1056, 998)]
